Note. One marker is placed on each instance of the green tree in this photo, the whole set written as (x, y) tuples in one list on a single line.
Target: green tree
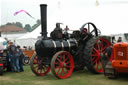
[(18, 24), (9, 23), (28, 27)]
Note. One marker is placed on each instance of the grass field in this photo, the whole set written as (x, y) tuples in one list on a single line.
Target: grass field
[(77, 78)]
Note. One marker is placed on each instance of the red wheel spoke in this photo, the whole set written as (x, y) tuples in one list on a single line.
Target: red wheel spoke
[(59, 60), (66, 59), (95, 60), (104, 48), (67, 62), (95, 54), (57, 67), (95, 49)]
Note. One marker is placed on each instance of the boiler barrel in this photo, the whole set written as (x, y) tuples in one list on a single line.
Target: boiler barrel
[(47, 48)]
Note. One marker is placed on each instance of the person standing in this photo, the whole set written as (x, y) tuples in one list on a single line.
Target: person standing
[(119, 40), (13, 54), (21, 55), (107, 54), (113, 40)]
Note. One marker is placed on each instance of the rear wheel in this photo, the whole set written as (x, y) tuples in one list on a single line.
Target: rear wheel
[(38, 67), (62, 64), (93, 51)]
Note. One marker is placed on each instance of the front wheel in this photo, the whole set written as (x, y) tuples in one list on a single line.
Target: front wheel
[(37, 66), (62, 64)]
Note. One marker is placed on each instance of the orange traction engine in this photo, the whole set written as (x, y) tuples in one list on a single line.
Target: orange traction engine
[(120, 62)]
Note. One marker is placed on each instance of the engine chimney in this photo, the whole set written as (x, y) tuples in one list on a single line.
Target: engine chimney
[(43, 20)]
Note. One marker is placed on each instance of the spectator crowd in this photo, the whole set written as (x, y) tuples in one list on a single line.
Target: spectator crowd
[(14, 57)]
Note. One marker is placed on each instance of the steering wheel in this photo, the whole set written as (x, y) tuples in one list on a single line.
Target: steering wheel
[(90, 29)]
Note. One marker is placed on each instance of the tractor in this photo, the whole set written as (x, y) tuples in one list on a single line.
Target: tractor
[(119, 65), (65, 52)]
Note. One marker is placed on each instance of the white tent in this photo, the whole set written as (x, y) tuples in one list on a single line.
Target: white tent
[(34, 34), (29, 39)]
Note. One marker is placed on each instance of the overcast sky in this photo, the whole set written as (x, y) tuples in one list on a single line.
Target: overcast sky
[(110, 16)]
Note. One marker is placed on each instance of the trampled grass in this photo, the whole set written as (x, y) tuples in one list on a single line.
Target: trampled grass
[(77, 78)]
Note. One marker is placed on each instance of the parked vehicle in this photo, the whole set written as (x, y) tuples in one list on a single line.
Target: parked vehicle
[(2, 62), (27, 56), (120, 62)]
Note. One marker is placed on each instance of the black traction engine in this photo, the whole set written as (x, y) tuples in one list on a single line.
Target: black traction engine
[(65, 52)]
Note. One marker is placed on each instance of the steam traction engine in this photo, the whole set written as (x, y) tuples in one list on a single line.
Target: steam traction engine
[(63, 52)]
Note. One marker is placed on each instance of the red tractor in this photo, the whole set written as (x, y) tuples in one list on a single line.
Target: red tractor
[(120, 62)]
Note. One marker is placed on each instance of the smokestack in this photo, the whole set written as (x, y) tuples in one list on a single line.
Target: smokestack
[(43, 20)]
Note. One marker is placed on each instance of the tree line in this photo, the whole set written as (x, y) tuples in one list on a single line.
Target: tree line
[(27, 27)]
